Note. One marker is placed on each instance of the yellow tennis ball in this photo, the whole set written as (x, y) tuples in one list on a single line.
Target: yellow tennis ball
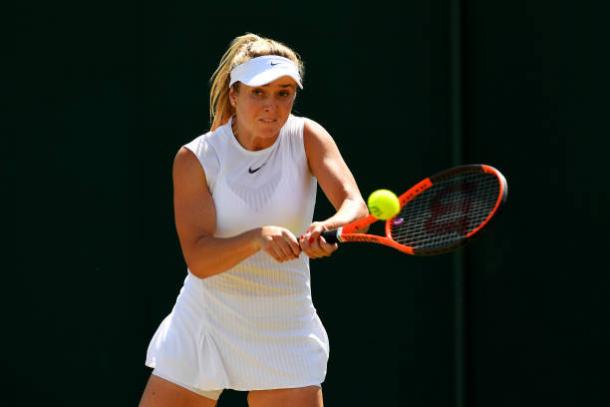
[(383, 204)]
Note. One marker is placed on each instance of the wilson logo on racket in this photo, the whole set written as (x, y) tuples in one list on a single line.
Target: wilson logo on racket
[(438, 214), (449, 210)]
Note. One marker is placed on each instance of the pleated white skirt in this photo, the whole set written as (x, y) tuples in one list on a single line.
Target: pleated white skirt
[(222, 339)]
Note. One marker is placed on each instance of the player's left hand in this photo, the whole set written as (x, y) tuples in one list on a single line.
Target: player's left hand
[(313, 244)]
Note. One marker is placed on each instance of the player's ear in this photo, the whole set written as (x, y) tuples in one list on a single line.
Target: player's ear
[(233, 95)]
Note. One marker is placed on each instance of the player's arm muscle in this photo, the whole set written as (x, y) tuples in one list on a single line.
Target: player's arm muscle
[(334, 176), (195, 217)]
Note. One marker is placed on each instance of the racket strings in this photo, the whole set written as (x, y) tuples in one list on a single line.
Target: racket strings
[(447, 212)]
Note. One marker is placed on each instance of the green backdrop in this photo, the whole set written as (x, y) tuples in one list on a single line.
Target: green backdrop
[(99, 97)]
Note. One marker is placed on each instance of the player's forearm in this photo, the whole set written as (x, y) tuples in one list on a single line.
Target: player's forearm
[(350, 210), (210, 255)]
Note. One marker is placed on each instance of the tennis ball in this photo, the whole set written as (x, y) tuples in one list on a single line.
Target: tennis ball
[(383, 204)]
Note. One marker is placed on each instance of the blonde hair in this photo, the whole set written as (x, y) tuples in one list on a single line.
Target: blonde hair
[(241, 49)]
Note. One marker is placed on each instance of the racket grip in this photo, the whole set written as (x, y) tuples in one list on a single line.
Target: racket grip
[(331, 236)]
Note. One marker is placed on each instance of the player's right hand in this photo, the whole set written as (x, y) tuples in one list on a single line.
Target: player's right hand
[(313, 244), (279, 243)]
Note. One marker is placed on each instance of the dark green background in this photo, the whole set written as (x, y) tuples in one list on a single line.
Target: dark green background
[(99, 97)]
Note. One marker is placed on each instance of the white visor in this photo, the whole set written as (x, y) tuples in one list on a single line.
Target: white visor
[(263, 70)]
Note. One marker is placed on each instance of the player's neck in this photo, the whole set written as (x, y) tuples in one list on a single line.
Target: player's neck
[(249, 140)]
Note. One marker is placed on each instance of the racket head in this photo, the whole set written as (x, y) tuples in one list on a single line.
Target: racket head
[(443, 212)]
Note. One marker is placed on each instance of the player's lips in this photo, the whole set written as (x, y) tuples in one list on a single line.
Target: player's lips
[(268, 120)]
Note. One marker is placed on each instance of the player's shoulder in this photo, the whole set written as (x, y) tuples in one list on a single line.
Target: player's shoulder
[(185, 159), (209, 138), (317, 141), (202, 149), (312, 130), (207, 145)]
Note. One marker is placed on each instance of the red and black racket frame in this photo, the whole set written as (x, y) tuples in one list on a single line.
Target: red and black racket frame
[(350, 232)]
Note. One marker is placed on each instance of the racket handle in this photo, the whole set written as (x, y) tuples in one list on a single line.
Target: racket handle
[(331, 236)]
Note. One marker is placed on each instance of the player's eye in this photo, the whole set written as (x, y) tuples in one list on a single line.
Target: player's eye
[(258, 92)]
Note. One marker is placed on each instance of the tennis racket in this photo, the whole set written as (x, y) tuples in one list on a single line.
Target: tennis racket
[(438, 214)]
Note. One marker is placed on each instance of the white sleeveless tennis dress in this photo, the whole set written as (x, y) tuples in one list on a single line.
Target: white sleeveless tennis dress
[(253, 327)]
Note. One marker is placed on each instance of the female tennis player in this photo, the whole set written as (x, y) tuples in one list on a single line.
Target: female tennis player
[(244, 197)]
